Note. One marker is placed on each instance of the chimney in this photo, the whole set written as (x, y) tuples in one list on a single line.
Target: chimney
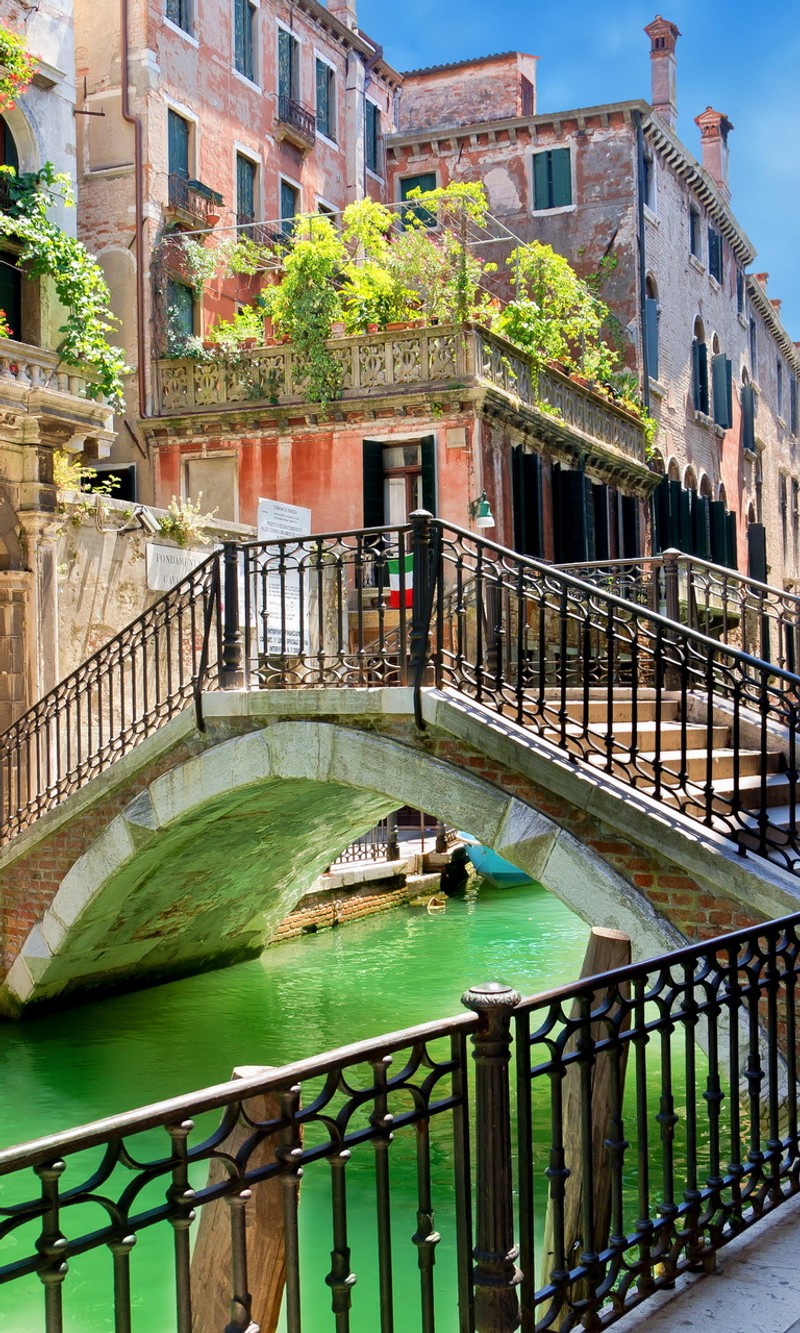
[(345, 11), (776, 304), (762, 279), (714, 130), (663, 36)]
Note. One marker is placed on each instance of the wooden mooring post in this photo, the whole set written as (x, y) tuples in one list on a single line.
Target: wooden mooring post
[(606, 951), (218, 1305)]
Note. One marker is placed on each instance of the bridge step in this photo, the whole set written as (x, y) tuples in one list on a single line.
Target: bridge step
[(694, 763), (646, 710), (670, 732)]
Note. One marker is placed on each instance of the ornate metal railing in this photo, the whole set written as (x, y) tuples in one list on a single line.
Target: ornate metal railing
[(694, 1140), (571, 418), (297, 118), (430, 604), (193, 197), (720, 602)]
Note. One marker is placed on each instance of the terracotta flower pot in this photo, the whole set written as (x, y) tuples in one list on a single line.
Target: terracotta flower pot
[(373, 328)]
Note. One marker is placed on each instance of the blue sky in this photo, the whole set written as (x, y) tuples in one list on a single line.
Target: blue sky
[(741, 60)]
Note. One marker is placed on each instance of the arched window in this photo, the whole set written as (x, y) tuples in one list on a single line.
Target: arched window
[(10, 277), (700, 399), (651, 319), (689, 478), (704, 489)]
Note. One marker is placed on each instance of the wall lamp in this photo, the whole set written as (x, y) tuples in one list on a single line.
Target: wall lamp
[(481, 511), (141, 518)]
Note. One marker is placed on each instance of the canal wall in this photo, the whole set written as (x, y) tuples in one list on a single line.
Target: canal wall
[(342, 898)]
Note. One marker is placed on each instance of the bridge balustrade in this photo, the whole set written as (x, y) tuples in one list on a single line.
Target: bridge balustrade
[(698, 1140), (427, 604)]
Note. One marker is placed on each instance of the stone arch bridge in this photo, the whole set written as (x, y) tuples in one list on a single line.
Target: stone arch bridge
[(189, 849)]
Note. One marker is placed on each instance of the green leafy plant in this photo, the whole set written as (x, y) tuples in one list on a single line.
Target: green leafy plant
[(247, 323), (5, 327), (307, 301), (185, 523), (47, 251), (17, 68)]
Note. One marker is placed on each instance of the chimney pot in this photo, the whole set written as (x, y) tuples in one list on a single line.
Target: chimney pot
[(762, 279), (714, 129), (345, 11), (663, 37)]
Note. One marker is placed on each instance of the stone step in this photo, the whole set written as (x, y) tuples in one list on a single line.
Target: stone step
[(694, 763), (646, 710), (646, 732)]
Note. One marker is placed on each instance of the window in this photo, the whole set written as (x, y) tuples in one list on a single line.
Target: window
[(425, 182), (180, 315), (695, 244), (525, 96), (793, 405), (244, 28), (245, 189), (715, 254), (290, 199), (649, 183), (179, 12), (552, 179), (748, 402), (722, 390), (651, 314), (739, 292), (753, 348), (398, 479), (372, 136), (779, 385), (179, 132), (699, 370), (326, 100), (288, 65)]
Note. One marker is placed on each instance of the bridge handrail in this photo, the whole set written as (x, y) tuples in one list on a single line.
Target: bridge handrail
[(707, 1020)]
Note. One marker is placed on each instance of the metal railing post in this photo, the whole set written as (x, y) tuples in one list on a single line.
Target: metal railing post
[(421, 604), (393, 842), (230, 675), (495, 1274), (672, 612)]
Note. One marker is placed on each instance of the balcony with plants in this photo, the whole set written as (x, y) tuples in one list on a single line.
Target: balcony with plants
[(387, 305)]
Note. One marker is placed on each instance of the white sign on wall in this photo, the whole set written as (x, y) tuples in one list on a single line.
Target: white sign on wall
[(167, 565), (285, 631)]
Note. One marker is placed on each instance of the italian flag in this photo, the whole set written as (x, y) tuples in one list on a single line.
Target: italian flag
[(394, 581)]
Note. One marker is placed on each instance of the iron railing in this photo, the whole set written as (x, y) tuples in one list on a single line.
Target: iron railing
[(297, 117), (710, 730), (545, 1203), (718, 601), (193, 196)]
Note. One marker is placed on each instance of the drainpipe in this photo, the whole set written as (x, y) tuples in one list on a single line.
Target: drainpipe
[(369, 66), (637, 120), (135, 121)]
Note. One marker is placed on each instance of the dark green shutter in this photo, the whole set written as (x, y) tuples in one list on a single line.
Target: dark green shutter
[(631, 542), (700, 376), (719, 546), (602, 549), (429, 474), (425, 182), (651, 334), (675, 493), (569, 514), (722, 389), (588, 509), (701, 527), (561, 178), (374, 510), (730, 541), (181, 308), (245, 187), (748, 418), (757, 552), (526, 499), (685, 522), (371, 131), (178, 144), (661, 517), (323, 99), (285, 88), (541, 181)]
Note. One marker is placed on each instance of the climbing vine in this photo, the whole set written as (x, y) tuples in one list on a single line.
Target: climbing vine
[(17, 68), (47, 251)]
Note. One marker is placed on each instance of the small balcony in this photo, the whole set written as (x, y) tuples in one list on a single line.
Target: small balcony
[(295, 123), (404, 370), (193, 200)]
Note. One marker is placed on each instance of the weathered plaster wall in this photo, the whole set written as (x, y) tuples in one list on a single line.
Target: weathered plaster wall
[(469, 92)]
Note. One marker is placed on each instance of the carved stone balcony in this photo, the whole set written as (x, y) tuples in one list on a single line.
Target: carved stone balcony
[(36, 384), (408, 370), (296, 123)]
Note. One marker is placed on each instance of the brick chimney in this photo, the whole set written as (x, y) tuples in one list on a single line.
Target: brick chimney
[(345, 11), (714, 130), (663, 37)]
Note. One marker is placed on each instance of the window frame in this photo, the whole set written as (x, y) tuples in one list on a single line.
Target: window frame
[(695, 233), (426, 218), (250, 8), (190, 120), (295, 74), (553, 207), (377, 170), (329, 134), (715, 254), (286, 222), (255, 165), (187, 29)]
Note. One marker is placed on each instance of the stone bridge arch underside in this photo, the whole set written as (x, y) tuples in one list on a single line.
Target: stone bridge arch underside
[(189, 851)]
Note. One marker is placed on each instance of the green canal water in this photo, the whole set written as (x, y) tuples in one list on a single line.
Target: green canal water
[(300, 998)]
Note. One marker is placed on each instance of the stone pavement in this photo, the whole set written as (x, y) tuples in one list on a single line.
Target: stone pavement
[(756, 1288)]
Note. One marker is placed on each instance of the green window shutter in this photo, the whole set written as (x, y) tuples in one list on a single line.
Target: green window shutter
[(373, 484), (701, 527), (588, 510), (428, 452), (748, 418), (245, 187), (700, 376), (285, 88), (675, 493), (661, 525), (561, 178), (178, 144), (721, 387), (651, 333), (425, 182), (541, 181), (685, 522), (181, 308), (372, 122), (288, 207), (730, 542), (602, 549), (719, 546), (573, 516), (757, 552), (323, 101)]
